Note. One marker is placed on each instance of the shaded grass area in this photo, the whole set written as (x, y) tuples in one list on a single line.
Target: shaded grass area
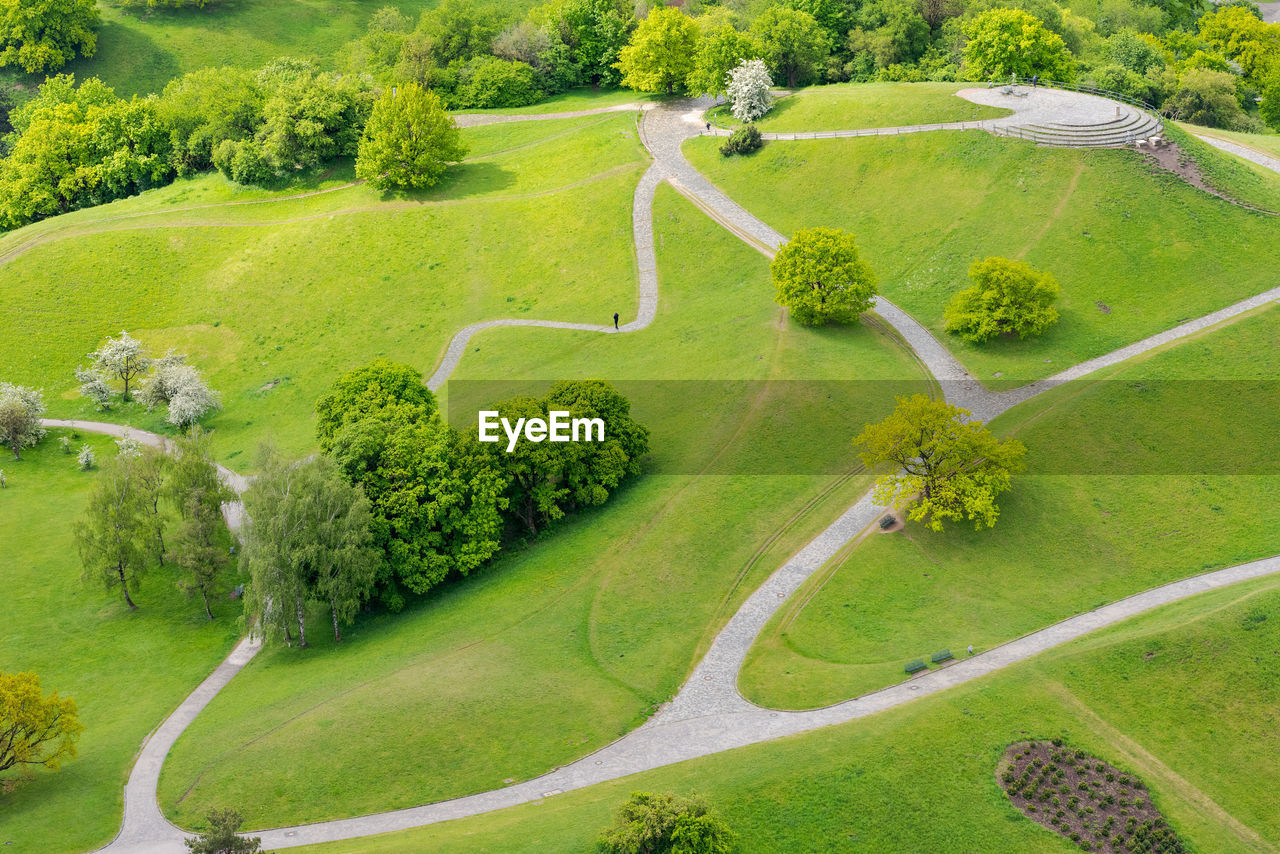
[(1135, 249), (1065, 543), (562, 646), (126, 671), (1184, 696), (848, 106), (140, 50), (274, 300)]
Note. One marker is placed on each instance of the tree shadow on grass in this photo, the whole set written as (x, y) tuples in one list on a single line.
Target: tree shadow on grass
[(460, 181), (127, 60)]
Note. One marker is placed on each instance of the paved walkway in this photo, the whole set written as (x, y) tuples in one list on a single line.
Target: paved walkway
[(708, 715), (1244, 151)]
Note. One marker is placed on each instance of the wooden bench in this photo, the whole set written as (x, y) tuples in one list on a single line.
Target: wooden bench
[(915, 666), (941, 656)]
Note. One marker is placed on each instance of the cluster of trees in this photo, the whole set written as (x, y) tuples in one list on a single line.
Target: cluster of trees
[(75, 146), (167, 381), (399, 500), (44, 35), (37, 730), (122, 533), (666, 824)]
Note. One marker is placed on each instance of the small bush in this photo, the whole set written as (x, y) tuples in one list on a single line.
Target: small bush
[(744, 140), (86, 458)]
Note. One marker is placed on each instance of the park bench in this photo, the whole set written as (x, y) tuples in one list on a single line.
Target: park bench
[(941, 656), (915, 666)]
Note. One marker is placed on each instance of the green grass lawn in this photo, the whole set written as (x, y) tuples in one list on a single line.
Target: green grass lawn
[(1185, 697), (274, 300), (125, 671), (1069, 537), (1240, 178), (1136, 251), (563, 646), (140, 50), (847, 106)]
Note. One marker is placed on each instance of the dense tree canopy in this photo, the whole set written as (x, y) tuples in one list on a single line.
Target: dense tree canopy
[(721, 49), (1011, 41), (945, 466), (821, 278), (44, 35), (1007, 298), (793, 44), (660, 55)]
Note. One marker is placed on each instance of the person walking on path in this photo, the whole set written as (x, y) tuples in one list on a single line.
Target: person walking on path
[(615, 321)]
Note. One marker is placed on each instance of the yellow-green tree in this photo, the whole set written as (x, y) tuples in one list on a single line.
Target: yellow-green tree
[(1011, 41), (36, 731), (821, 278), (946, 466), (409, 139), (44, 35), (661, 53), (1007, 297)]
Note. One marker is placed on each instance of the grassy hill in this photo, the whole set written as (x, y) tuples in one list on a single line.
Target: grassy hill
[(563, 646), (1136, 250), (276, 294), (866, 105), (1186, 436), (126, 671), (1184, 696)]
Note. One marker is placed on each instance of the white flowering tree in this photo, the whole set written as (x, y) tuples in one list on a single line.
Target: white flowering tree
[(121, 358), (748, 89), (192, 401), (21, 409), (93, 385)]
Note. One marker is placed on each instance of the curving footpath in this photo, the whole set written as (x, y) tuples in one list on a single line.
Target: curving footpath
[(708, 715)]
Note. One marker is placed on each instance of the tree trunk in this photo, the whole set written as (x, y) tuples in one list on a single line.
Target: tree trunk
[(124, 588), (333, 609), (160, 544), (288, 638), (205, 593), (302, 625)]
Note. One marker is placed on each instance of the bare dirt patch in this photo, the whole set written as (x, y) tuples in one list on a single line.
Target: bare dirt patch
[(1078, 796)]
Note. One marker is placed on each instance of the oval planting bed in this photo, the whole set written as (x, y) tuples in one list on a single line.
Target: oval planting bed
[(1090, 802)]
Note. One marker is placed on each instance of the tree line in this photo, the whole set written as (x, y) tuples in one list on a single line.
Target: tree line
[(398, 501)]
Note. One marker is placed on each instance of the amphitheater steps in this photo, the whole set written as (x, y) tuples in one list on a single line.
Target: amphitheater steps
[(1122, 130)]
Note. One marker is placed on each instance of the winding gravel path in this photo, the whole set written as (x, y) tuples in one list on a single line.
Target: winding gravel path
[(708, 715), (1244, 151)]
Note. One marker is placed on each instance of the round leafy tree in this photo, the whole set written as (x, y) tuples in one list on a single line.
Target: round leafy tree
[(820, 277), (945, 465), (666, 824), (1011, 41), (44, 35), (408, 140), (37, 730), (1007, 297), (661, 54)]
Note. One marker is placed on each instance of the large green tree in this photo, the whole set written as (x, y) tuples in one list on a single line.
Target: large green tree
[(36, 730), (409, 139), (194, 486), (821, 278), (720, 50), (44, 35), (115, 535), (1011, 41), (661, 52), (1007, 297), (308, 538), (794, 44), (382, 389), (945, 466)]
